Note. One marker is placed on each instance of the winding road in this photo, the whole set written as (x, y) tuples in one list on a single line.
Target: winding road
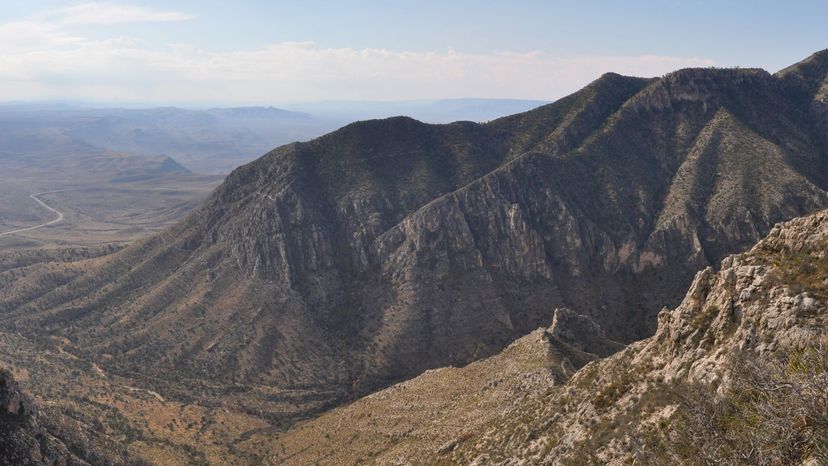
[(57, 219)]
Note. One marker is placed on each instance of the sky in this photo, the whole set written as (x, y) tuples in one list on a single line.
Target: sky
[(259, 52)]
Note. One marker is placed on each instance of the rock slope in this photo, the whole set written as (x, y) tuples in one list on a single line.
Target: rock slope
[(332, 268), (435, 412), (53, 433), (23, 441)]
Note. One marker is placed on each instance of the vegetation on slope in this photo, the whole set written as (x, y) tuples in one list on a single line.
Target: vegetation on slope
[(737, 374)]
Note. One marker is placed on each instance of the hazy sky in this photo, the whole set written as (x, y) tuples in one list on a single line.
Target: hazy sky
[(265, 52)]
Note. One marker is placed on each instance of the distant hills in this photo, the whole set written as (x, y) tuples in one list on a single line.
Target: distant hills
[(55, 151), (207, 142), (217, 140), (429, 111)]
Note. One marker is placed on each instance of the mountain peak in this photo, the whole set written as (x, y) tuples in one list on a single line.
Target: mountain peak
[(714, 79), (808, 76), (819, 58)]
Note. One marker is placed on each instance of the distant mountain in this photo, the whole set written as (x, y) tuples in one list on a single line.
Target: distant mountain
[(213, 141), (329, 269), (255, 113), (217, 140), (431, 111), (48, 159), (54, 152)]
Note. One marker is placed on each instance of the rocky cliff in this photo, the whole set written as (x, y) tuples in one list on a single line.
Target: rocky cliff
[(36, 432), (23, 441), (736, 374)]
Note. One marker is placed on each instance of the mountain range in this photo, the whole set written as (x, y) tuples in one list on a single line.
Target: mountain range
[(216, 140), (327, 270), (205, 141)]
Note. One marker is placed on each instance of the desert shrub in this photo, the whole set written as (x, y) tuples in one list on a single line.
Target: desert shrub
[(802, 270), (773, 413)]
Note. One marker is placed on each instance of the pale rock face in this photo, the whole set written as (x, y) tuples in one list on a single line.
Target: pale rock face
[(582, 332), (742, 308)]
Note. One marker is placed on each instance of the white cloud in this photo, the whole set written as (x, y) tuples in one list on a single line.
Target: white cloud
[(30, 35), (111, 13), (39, 60)]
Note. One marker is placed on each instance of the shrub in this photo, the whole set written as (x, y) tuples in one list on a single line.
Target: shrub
[(774, 412)]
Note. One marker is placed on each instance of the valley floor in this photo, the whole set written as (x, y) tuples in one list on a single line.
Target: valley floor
[(96, 213)]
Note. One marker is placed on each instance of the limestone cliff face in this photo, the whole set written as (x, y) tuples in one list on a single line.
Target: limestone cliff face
[(582, 332), (386, 248), (770, 298)]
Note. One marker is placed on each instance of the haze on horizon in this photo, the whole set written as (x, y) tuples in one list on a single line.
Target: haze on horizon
[(259, 53)]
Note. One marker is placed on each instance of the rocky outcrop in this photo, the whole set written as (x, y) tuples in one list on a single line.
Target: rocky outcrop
[(582, 332), (51, 433), (760, 308), (22, 440)]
